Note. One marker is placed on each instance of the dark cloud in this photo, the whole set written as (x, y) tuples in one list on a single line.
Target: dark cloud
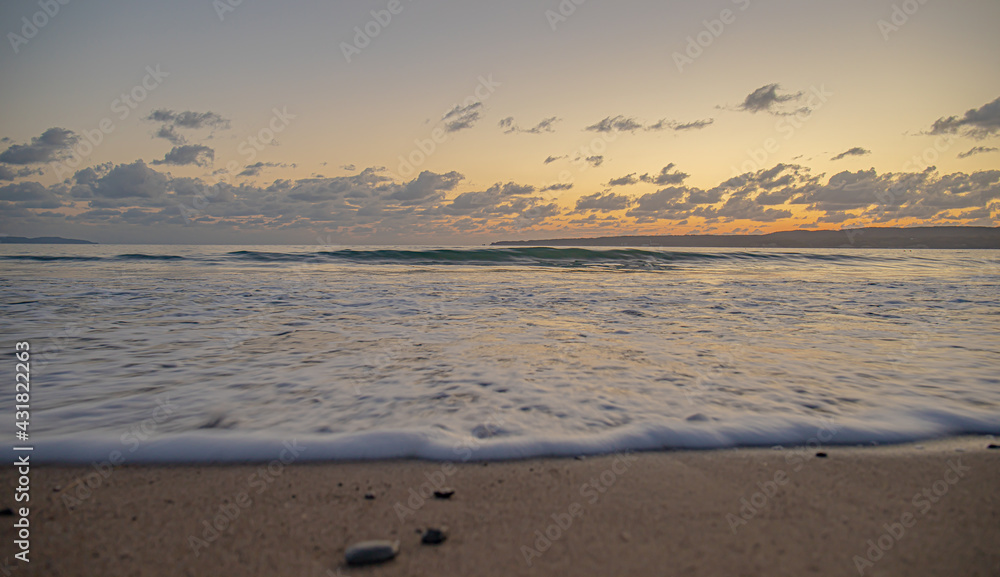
[(462, 117), (171, 121), (131, 181), (856, 151), (767, 99), (594, 161), (509, 126), (30, 195), (616, 124), (603, 202), (551, 159), (681, 126), (977, 150), (624, 180), (189, 154), (427, 187), (53, 144), (8, 173), (978, 123), (557, 186), (665, 176)]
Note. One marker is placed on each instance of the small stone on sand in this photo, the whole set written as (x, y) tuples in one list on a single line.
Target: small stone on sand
[(434, 536), (371, 552), (444, 493), (821, 455), (369, 496)]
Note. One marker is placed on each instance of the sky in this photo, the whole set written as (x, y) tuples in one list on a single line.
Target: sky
[(441, 122)]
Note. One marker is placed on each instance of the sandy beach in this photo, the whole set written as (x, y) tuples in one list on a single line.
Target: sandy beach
[(929, 509)]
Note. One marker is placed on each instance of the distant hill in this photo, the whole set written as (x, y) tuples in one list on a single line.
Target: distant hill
[(917, 237), (41, 240)]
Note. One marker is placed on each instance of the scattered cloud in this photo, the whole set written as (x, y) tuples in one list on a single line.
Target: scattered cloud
[(552, 159), (546, 125), (185, 154), (624, 180), (856, 151), (53, 144), (348, 167), (594, 161), (462, 117), (256, 168), (171, 122), (767, 99), (977, 123), (977, 150), (9, 173), (665, 176), (616, 124), (557, 186), (681, 126), (603, 202)]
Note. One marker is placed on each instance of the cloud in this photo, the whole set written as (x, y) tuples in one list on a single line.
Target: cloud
[(130, 181), (462, 117), (509, 126), (978, 123), (556, 186), (603, 202), (427, 187), (30, 195), (665, 176), (171, 121), (977, 150), (189, 154), (681, 126), (349, 167), (552, 159), (616, 124), (8, 173), (856, 151), (595, 161), (767, 99), (624, 180), (256, 168), (53, 144)]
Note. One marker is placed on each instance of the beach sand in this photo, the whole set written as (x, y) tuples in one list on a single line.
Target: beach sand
[(664, 513)]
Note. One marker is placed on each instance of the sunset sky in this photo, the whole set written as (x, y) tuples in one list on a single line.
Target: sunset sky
[(446, 122)]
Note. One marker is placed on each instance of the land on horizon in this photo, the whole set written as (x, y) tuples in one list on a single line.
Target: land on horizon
[(934, 237)]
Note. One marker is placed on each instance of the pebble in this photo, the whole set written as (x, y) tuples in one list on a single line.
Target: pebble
[(369, 496), (444, 493), (821, 455), (992, 446), (371, 552), (434, 536)]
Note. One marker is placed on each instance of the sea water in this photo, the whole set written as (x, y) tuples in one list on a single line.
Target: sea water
[(230, 353)]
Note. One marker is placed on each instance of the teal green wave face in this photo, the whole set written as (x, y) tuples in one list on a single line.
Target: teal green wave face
[(438, 122)]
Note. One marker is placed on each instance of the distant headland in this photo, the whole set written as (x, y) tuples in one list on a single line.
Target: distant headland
[(954, 237), (42, 240)]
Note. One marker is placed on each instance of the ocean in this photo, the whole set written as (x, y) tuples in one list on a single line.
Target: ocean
[(230, 353)]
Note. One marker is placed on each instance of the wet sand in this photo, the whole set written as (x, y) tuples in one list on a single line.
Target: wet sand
[(929, 509)]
